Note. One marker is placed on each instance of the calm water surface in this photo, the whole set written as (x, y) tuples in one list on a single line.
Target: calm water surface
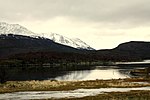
[(91, 73), (100, 72)]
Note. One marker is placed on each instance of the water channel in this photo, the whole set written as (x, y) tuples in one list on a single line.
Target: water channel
[(63, 94)]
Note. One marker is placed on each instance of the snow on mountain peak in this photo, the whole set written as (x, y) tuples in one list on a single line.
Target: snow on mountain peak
[(17, 29), (14, 29), (77, 43)]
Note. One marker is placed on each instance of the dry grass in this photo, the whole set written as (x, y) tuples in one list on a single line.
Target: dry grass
[(13, 86)]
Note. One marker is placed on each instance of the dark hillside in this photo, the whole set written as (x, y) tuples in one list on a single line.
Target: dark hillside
[(25, 47), (16, 44), (134, 50)]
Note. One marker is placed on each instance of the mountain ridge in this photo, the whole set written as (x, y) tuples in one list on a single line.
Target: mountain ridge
[(11, 44), (17, 29)]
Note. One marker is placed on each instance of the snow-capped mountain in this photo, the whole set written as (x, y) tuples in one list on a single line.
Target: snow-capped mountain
[(76, 43), (6, 28), (17, 29)]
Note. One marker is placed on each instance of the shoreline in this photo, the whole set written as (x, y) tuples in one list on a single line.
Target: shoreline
[(130, 95)]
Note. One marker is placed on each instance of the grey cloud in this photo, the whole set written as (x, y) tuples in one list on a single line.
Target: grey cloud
[(109, 11)]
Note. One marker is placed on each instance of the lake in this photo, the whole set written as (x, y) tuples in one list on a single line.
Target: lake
[(87, 72)]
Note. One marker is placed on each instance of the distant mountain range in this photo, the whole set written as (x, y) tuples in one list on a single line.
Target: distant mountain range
[(16, 40), (11, 44), (17, 29)]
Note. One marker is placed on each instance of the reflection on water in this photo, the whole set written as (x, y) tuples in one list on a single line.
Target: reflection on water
[(97, 72), (63, 94), (93, 73), (100, 72)]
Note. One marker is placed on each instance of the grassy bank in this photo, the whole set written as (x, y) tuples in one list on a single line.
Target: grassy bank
[(14, 86)]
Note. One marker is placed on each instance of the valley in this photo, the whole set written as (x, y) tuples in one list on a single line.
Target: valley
[(52, 64)]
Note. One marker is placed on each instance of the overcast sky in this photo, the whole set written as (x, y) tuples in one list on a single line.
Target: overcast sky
[(100, 23)]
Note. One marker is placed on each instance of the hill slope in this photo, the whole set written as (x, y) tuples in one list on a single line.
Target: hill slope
[(14, 44), (127, 51)]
